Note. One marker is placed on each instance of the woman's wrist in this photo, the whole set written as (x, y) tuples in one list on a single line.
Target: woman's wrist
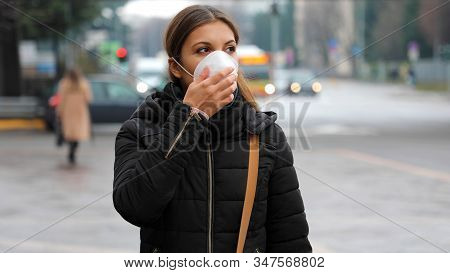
[(196, 110)]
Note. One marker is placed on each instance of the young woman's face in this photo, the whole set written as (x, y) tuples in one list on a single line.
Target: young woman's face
[(199, 43)]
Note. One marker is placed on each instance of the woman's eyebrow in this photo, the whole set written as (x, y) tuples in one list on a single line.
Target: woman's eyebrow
[(208, 43), (230, 41)]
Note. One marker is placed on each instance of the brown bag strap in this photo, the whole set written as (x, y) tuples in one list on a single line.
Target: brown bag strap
[(253, 161)]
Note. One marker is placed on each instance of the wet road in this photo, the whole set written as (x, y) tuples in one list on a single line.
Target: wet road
[(375, 169)]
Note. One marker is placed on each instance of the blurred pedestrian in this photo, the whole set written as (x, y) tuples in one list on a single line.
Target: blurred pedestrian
[(75, 95), (411, 76)]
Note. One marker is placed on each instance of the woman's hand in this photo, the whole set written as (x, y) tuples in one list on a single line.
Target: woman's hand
[(213, 93)]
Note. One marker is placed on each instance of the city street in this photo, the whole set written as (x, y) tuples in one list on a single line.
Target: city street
[(372, 161)]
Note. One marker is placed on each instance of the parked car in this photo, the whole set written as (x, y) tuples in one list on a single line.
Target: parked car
[(113, 100), (297, 82), (150, 75)]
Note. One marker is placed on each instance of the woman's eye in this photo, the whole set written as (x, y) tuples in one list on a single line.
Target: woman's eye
[(200, 50), (205, 49), (232, 48)]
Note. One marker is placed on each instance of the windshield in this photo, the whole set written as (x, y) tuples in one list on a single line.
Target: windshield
[(302, 76), (255, 72), (294, 75), (149, 74)]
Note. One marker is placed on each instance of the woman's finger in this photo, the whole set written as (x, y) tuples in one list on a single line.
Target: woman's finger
[(226, 82), (204, 75), (231, 97), (222, 94), (214, 79)]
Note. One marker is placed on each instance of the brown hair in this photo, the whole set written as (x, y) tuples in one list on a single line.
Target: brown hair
[(74, 77), (185, 22)]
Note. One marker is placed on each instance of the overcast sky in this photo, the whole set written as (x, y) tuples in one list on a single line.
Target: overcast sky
[(166, 9)]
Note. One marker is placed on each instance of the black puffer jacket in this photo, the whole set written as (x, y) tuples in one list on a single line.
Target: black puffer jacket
[(182, 179)]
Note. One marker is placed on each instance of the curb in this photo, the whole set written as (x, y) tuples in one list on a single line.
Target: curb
[(22, 124)]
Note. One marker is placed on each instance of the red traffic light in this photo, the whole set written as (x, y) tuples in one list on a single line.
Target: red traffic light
[(121, 53)]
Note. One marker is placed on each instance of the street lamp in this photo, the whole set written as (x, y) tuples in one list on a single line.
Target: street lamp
[(275, 38)]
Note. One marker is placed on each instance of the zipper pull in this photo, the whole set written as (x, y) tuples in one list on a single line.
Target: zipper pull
[(191, 114)]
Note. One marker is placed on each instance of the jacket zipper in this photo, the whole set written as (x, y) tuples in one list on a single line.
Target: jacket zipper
[(179, 135), (210, 195), (155, 250)]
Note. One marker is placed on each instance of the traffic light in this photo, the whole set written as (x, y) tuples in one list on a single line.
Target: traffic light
[(122, 54)]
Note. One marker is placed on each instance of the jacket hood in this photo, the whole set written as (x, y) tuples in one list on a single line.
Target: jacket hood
[(158, 105)]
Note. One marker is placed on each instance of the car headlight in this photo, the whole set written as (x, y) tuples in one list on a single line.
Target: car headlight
[(269, 89), (296, 87), (316, 87), (142, 87)]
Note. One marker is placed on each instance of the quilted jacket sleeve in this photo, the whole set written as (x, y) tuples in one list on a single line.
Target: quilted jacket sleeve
[(145, 178), (287, 228)]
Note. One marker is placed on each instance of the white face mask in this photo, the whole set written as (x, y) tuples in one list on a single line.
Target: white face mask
[(216, 61)]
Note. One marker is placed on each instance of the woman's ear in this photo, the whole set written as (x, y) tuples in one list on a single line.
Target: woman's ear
[(174, 69)]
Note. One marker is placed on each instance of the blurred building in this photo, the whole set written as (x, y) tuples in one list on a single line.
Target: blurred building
[(9, 61), (325, 34)]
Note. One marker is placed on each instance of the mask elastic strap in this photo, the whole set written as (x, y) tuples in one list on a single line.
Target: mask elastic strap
[(182, 67)]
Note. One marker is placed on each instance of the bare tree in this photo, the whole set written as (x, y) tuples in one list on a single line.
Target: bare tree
[(435, 27), (324, 22), (390, 17)]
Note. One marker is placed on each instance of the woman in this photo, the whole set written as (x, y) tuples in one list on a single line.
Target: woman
[(73, 110), (181, 160)]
